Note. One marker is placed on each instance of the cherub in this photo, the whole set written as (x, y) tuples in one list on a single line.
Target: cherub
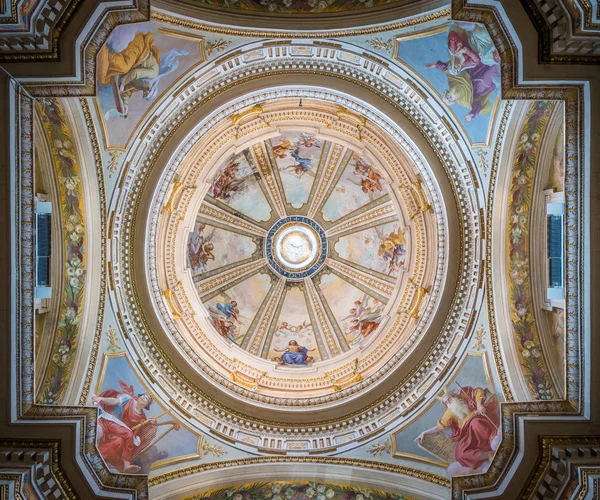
[(282, 149)]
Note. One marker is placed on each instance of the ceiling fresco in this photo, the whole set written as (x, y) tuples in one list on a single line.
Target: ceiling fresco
[(461, 63), (297, 159), (297, 271)]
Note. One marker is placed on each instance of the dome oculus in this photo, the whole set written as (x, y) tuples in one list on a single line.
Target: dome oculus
[(296, 247)]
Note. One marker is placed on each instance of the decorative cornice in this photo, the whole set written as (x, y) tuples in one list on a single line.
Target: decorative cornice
[(560, 37)]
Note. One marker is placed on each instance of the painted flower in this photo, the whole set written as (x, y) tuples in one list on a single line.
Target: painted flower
[(516, 235), (529, 344), (535, 353), (321, 488), (238, 496), (74, 236), (320, 497), (267, 494), (359, 496), (519, 209), (65, 358), (74, 282), (63, 348), (289, 493), (514, 219), (521, 180), (310, 492), (526, 353), (277, 497), (56, 358), (79, 272), (524, 138), (521, 311), (71, 313), (276, 488), (330, 493), (535, 136), (71, 186), (75, 261)]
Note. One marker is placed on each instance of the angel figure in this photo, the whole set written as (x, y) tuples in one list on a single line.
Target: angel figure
[(226, 317), (308, 141), (282, 149), (200, 249), (302, 164), (230, 179), (370, 180), (392, 247), (364, 319)]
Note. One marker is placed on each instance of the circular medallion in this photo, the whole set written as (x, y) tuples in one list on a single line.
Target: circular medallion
[(296, 247)]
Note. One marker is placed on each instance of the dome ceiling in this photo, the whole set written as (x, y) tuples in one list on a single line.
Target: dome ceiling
[(302, 251), (296, 249), (295, 235)]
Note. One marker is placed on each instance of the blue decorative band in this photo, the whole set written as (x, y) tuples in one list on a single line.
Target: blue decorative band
[(270, 254)]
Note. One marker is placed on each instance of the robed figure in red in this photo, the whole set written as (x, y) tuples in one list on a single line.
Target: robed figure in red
[(126, 430), (473, 417)]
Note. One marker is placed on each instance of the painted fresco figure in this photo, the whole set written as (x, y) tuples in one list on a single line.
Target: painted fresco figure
[(200, 250), (229, 309), (364, 320), (120, 418), (137, 68), (302, 164), (370, 179), (281, 149), (473, 417), (392, 248), (468, 48), (226, 181), (294, 354), (471, 70)]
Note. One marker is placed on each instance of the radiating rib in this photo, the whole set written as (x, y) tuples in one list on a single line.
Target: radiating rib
[(274, 195), (341, 339), (368, 283), (220, 217), (211, 287), (371, 215), (204, 276), (329, 178), (318, 317), (272, 305), (365, 270), (320, 171)]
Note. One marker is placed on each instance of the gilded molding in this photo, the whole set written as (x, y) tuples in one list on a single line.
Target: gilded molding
[(103, 243), (364, 464)]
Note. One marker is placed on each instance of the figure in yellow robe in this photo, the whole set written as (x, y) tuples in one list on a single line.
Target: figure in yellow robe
[(130, 70)]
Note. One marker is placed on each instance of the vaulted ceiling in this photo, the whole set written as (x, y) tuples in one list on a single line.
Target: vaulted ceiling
[(300, 250)]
